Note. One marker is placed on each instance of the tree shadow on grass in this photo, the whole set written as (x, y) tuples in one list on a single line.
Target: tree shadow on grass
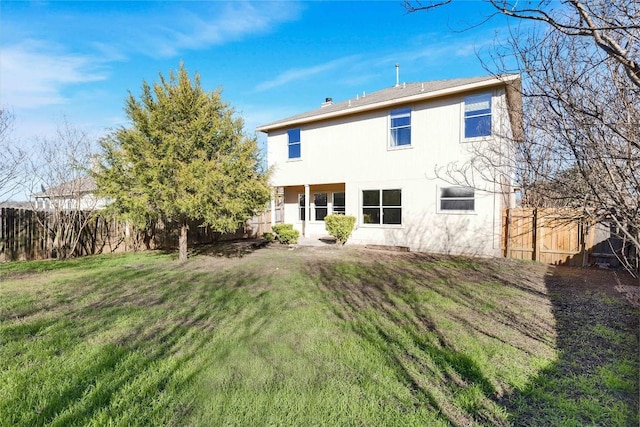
[(402, 304), (142, 331), (595, 379), (380, 301)]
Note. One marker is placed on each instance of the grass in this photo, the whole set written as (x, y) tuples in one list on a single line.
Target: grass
[(306, 337)]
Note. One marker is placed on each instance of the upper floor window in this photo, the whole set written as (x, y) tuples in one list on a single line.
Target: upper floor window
[(382, 206), (294, 143), (477, 116), (457, 199), (400, 127)]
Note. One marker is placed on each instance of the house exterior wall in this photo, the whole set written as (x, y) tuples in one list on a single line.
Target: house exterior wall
[(85, 202), (353, 153)]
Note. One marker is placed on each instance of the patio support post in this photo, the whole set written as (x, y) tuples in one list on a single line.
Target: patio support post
[(273, 205)]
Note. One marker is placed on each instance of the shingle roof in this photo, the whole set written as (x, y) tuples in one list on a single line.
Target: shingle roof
[(85, 184), (402, 93)]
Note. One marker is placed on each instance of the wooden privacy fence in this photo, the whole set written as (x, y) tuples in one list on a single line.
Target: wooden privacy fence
[(21, 236), (166, 235), (558, 236), (25, 234), (28, 235)]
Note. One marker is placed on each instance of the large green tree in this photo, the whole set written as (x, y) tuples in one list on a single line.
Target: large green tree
[(185, 158)]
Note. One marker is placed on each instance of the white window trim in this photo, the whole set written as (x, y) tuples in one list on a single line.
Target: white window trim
[(331, 202), (493, 117), (329, 207), (399, 147), (312, 206), (298, 207), (294, 159), (390, 146), (381, 206), (456, 211)]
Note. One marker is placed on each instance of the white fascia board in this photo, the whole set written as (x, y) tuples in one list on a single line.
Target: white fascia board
[(414, 98)]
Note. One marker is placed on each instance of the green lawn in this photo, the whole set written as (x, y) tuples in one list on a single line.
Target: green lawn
[(310, 337)]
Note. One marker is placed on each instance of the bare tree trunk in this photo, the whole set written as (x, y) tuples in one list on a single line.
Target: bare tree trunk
[(182, 242)]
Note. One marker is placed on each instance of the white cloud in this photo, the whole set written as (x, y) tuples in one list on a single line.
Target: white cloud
[(295, 74), (221, 23), (35, 73), (428, 51), (431, 51)]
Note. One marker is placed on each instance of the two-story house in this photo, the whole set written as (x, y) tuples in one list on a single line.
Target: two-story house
[(76, 194), (376, 157)]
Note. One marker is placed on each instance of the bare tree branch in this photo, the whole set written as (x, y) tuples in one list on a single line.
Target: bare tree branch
[(612, 24), (11, 158), (581, 145), (60, 185)]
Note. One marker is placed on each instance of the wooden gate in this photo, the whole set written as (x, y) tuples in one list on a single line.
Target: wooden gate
[(551, 236)]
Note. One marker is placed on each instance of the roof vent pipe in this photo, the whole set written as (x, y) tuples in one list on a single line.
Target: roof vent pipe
[(397, 75)]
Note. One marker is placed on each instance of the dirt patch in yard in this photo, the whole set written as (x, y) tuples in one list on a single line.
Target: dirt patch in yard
[(613, 283), (598, 331)]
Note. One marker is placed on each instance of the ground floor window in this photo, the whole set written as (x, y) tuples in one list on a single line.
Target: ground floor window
[(457, 199), (301, 207), (320, 206), (382, 206), (338, 203)]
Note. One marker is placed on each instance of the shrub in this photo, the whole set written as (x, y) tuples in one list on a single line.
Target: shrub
[(340, 226), (277, 228), (268, 237), (286, 234)]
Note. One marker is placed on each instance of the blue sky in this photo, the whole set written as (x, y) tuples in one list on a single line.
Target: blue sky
[(76, 61)]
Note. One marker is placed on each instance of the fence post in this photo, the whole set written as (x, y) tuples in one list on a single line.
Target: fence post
[(583, 243), (507, 233), (11, 234), (534, 226), (3, 256)]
